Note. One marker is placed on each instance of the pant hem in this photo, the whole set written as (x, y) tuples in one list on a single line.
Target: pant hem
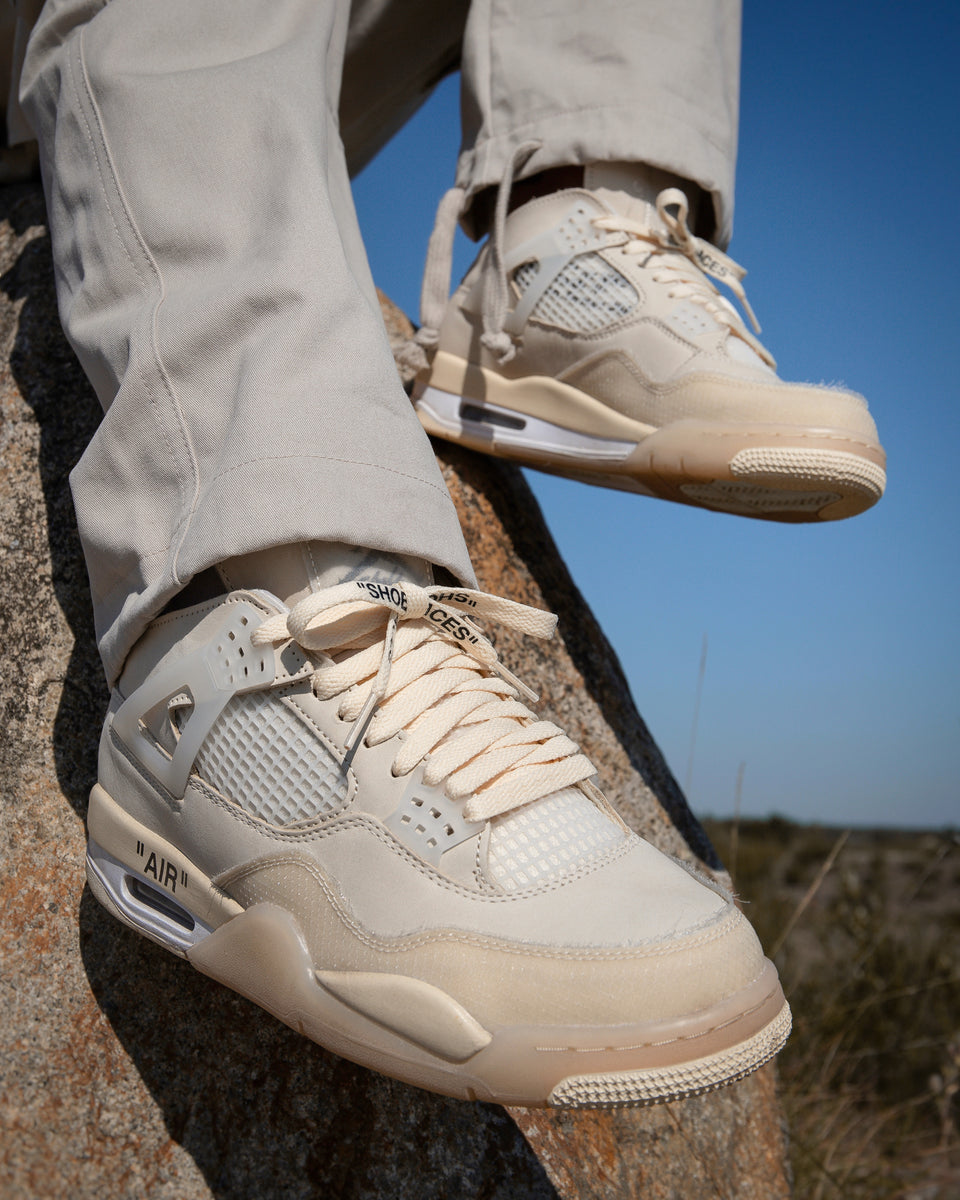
[(278, 503), (609, 134)]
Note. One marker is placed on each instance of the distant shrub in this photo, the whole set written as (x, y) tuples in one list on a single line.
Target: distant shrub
[(871, 1076)]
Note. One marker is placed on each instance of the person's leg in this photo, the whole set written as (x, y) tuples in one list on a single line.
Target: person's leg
[(656, 83), (212, 281), (589, 339), (333, 800), (396, 53)]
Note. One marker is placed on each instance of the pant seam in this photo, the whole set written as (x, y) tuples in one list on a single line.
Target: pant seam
[(86, 91), (154, 346), (488, 81), (355, 462)]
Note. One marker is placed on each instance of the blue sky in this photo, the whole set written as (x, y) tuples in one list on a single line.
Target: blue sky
[(832, 668)]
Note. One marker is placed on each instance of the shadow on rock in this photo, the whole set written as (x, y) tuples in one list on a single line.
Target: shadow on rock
[(67, 414), (264, 1113)]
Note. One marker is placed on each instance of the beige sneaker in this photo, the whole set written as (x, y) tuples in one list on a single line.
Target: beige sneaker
[(344, 811), (589, 340)]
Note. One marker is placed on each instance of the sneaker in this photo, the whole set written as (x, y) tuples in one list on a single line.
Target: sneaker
[(344, 811), (589, 340)]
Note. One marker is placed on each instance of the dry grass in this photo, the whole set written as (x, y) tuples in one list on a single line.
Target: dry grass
[(866, 929)]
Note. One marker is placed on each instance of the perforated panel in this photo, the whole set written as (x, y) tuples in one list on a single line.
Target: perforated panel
[(262, 757), (537, 843), (587, 295), (690, 319), (430, 823)]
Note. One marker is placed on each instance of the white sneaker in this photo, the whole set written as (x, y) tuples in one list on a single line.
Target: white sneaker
[(589, 340), (344, 812)]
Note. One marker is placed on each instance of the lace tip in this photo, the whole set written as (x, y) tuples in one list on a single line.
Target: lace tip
[(359, 727), (527, 693), (412, 357), (750, 313), (501, 345)]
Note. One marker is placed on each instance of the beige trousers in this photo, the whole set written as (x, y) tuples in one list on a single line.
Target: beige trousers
[(211, 276)]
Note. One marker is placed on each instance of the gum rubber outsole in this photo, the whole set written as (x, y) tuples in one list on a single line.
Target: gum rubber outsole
[(773, 472), (410, 1029)]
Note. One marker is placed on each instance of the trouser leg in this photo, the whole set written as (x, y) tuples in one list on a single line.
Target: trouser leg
[(397, 52), (211, 279), (654, 82)]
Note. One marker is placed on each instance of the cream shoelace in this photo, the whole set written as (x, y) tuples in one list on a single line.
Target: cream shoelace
[(436, 274), (674, 240), (405, 658)]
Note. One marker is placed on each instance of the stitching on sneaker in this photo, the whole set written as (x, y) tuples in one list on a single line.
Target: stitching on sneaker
[(710, 930), (332, 826)]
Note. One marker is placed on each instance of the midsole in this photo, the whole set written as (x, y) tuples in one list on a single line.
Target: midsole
[(151, 857), (263, 955), (373, 1017), (567, 409), (486, 423), (535, 396), (791, 472), (137, 900)]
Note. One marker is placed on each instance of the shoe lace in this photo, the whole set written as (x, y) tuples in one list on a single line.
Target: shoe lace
[(404, 658), (686, 261), (439, 267)]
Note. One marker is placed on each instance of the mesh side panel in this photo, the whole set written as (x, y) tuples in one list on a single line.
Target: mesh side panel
[(543, 840), (260, 756), (587, 295)]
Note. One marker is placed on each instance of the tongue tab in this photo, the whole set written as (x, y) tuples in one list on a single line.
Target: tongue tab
[(336, 562), (634, 187)]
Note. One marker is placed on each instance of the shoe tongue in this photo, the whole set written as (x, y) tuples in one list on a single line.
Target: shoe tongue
[(336, 562), (630, 189), (294, 571)]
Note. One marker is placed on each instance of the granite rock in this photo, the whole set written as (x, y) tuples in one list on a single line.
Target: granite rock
[(123, 1073)]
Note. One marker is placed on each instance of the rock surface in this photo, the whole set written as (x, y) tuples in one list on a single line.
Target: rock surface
[(124, 1073)]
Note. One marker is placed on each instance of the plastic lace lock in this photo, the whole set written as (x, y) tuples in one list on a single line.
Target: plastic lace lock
[(210, 675), (428, 822)]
